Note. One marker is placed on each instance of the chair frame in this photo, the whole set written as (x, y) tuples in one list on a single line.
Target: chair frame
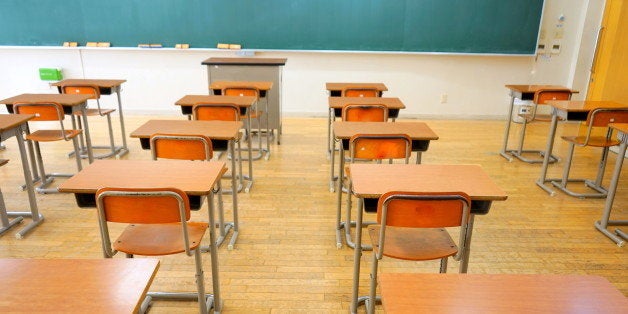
[(223, 226), (348, 222), (262, 152), (35, 156), (76, 122), (539, 100), (346, 108), (205, 301), (596, 185), (332, 116), (382, 208), (195, 115)]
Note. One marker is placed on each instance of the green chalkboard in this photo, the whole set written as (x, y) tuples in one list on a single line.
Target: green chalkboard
[(448, 26)]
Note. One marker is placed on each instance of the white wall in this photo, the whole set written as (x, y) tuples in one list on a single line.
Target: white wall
[(474, 84)]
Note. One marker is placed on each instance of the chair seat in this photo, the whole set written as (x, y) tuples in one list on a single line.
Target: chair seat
[(595, 141), (160, 239), (413, 243), (51, 135), (95, 112)]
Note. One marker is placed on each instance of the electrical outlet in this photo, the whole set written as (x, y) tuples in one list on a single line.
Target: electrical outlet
[(443, 98)]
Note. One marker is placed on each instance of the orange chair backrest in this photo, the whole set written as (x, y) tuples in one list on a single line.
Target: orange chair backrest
[(543, 95), (601, 117), (189, 147), (45, 111), (143, 205), (424, 209), (216, 112), (82, 89), (241, 91), (377, 146), (364, 113), (360, 92)]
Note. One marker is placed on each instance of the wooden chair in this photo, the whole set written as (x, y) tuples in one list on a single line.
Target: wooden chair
[(359, 113), (348, 92), (411, 226), (365, 113), (360, 92), (48, 111), (540, 99), (373, 147), (194, 147), (94, 91), (221, 112), (255, 114), (159, 225), (596, 133)]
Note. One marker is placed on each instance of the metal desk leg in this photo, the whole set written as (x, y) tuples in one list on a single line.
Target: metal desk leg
[(504, 151), (37, 218), (247, 189), (331, 165), (88, 138), (329, 139), (5, 223), (124, 149), (357, 254), (464, 265), (339, 224), (213, 251), (548, 153), (602, 224), (234, 196)]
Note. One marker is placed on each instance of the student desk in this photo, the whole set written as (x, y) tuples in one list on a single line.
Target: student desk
[(75, 285), (105, 87), (253, 69), (523, 92), (219, 132), (419, 132), (196, 179), (70, 103), (15, 125), (619, 237), (245, 102), (264, 88), (373, 180), (499, 293), (335, 89), (567, 110), (336, 103)]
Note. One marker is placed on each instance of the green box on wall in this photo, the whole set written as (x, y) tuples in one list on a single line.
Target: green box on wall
[(50, 74)]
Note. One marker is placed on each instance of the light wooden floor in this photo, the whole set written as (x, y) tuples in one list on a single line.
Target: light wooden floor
[(286, 259)]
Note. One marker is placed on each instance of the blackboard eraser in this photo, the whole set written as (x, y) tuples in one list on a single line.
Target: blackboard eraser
[(182, 46), (70, 44), (222, 46), (104, 44), (156, 45), (91, 44), (235, 46), (143, 46)]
